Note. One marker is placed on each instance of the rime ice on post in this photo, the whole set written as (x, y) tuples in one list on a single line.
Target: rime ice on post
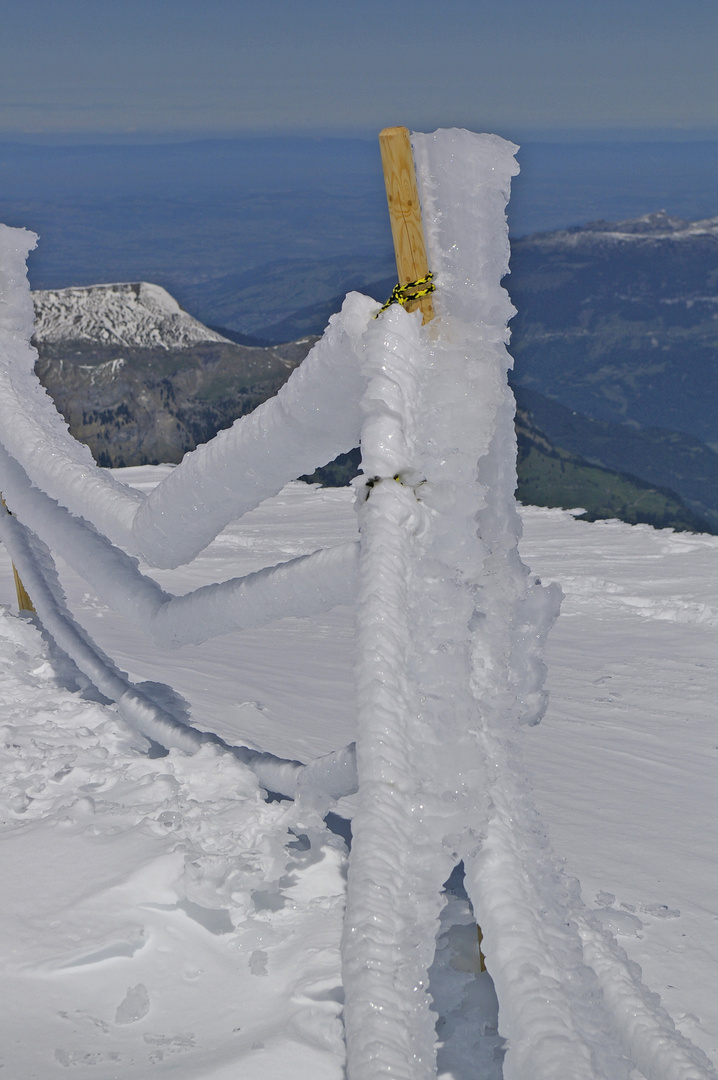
[(449, 636), (440, 588)]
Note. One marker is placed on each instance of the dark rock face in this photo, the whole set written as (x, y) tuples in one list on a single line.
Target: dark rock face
[(138, 406), (138, 379)]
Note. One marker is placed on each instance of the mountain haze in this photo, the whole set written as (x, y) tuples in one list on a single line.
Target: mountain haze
[(615, 344), (620, 321)]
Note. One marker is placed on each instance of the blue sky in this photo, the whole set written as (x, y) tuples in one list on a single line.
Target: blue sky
[(203, 67)]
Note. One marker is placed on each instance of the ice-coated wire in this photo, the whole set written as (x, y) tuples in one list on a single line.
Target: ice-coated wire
[(332, 775), (301, 587)]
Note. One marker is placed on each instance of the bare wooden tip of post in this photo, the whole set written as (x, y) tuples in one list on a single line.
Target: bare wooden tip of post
[(482, 958), (24, 602), (407, 228)]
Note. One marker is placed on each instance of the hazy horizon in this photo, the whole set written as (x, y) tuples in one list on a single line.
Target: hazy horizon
[(178, 69)]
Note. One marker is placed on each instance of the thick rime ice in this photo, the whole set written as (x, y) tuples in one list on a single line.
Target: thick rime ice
[(450, 632), (646, 1031), (327, 777), (435, 399), (301, 587), (31, 429), (314, 417)]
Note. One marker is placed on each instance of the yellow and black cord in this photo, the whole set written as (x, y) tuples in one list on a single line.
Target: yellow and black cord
[(413, 290)]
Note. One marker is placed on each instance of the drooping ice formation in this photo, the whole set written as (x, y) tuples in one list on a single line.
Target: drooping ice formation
[(301, 587)]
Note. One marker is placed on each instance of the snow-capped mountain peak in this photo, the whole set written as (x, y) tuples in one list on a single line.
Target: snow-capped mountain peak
[(131, 314), (648, 229)]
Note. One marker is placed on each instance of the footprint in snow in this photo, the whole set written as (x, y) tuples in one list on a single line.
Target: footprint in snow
[(660, 911), (619, 922)]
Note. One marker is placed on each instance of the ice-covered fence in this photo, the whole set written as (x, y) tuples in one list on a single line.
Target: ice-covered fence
[(450, 629), (64, 503), (314, 417)]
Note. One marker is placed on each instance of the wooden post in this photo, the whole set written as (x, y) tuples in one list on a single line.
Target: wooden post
[(405, 213), (407, 230), (24, 603)]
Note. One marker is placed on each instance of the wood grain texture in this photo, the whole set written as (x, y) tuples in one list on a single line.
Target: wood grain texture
[(405, 213)]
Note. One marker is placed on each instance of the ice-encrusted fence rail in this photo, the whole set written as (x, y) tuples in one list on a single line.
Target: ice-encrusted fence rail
[(450, 629)]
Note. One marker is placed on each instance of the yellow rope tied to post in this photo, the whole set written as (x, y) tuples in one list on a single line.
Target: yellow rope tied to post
[(407, 228), (405, 294)]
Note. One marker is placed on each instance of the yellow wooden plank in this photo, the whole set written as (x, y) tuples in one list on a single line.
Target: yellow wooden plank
[(24, 602), (405, 213)]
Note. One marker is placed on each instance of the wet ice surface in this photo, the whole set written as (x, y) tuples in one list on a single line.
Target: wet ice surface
[(134, 1006), (121, 871)]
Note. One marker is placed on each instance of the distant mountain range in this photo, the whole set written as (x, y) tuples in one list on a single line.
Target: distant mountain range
[(203, 218), (621, 321), (618, 324), (615, 344), (141, 381)]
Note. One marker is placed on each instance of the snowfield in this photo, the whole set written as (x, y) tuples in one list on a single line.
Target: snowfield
[(161, 917)]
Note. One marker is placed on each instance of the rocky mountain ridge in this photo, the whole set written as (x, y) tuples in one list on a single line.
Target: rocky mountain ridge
[(133, 314), (141, 382), (649, 227)]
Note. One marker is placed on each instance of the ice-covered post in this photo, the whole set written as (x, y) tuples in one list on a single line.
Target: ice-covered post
[(438, 539), (407, 230), (386, 950)]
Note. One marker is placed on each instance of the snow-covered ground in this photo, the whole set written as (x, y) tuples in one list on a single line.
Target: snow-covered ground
[(160, 917)]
